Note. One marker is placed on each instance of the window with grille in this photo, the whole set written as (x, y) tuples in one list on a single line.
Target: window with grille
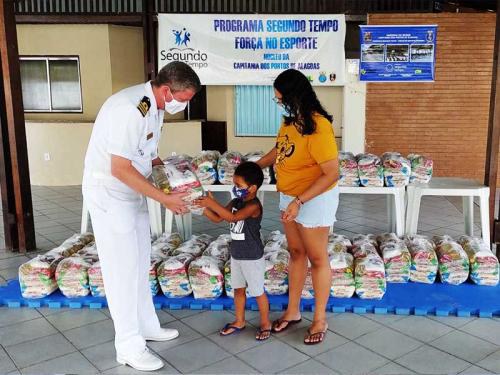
[(51, 84)]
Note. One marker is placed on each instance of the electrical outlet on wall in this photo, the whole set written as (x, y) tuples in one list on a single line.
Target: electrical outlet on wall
[(46, 156)]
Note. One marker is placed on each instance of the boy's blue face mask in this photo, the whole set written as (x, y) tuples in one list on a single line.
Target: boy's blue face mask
[(240, 193)]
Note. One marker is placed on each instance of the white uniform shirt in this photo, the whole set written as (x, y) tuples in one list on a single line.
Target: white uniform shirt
[(124, 128)]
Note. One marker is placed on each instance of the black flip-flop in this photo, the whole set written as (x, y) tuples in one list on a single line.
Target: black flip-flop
[(230, 326), (280, 321), (310, 336), (260, 332)]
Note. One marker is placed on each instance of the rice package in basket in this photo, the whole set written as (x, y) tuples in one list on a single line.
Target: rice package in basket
[(396, 256), (206, 277), (277, 258), (227, 279), (170, 179), (182, 162), (276, 276), (164, 245), (349, 174), (72, 273), (219, 248), (255, 157), (194, 246), (369, 270), (96, 282), (338, 243), (363, 247), (421, 168), (424, 263), (205, 166), (483, 263), (153, 273), (173, 275), (227, 165), (453, 260), (342, 266), (275, 241), (371, 172), (37, 276), (370, 277), (397, 169), (362, 238)]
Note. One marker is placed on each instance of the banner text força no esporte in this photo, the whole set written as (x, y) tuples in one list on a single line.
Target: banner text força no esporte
[(275, 26)]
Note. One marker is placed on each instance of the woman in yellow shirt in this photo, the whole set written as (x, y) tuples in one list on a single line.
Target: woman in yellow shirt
[(307, 172)]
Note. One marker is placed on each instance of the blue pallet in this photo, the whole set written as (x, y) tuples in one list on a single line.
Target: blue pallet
[(403, 299)]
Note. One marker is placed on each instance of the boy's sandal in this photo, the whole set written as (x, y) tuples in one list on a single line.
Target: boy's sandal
[(280, 321), (229, 326), (314, 338), (263, 334)]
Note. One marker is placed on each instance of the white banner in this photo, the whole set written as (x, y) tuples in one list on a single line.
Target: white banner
[(229, 49)]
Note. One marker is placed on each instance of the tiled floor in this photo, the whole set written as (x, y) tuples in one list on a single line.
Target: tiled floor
[(45, 341)]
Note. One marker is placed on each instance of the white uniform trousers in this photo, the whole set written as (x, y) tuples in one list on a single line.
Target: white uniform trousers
[(122, 233)]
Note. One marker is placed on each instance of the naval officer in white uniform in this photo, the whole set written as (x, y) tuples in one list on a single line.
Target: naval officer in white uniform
[(123, 149)]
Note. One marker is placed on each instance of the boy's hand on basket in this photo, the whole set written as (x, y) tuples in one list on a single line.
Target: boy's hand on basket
[(206, 202)]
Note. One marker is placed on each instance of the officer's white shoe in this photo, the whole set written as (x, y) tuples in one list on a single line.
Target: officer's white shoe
[(145, 361), (164, 334)]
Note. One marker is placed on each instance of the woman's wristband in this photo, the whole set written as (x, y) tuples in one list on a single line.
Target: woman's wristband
[(299, 201)]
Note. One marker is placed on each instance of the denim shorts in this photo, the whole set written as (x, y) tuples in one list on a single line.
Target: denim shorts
[(318, 212)]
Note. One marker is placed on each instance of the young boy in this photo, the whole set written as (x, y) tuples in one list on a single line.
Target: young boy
[(247, 251)]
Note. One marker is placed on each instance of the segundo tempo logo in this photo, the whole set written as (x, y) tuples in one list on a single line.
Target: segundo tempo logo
[(183, 52)]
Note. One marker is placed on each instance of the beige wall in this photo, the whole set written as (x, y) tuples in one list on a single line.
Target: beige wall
[(182, 137), (127, 56), (91, 44), (66, 144), (220, 107), (111, 58)]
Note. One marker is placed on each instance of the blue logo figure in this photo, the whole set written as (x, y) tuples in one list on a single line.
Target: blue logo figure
[(322, 77), (181, 39), (186, 38), (178, 39)]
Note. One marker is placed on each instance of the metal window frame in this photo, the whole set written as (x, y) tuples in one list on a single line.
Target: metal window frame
[(47, 60)]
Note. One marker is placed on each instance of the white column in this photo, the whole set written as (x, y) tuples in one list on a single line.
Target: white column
[(353, 130)]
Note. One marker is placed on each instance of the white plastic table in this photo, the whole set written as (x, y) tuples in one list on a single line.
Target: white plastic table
[(395, 208), (451, 186)]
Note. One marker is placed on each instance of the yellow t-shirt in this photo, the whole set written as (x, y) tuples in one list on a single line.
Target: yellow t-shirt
[(299, 156)]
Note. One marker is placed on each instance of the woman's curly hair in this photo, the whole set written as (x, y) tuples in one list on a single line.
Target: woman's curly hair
[(299, 100)]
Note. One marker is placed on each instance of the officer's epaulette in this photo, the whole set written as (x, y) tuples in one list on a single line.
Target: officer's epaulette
[(144, 106)]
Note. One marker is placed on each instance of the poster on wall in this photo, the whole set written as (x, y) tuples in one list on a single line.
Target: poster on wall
[(397, 53), (246, 49)]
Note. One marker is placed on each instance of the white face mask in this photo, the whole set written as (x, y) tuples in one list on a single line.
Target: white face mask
[(174, 106)]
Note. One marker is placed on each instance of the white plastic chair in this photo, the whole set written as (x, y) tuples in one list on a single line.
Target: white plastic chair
[(85, 218), (450, 186)]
